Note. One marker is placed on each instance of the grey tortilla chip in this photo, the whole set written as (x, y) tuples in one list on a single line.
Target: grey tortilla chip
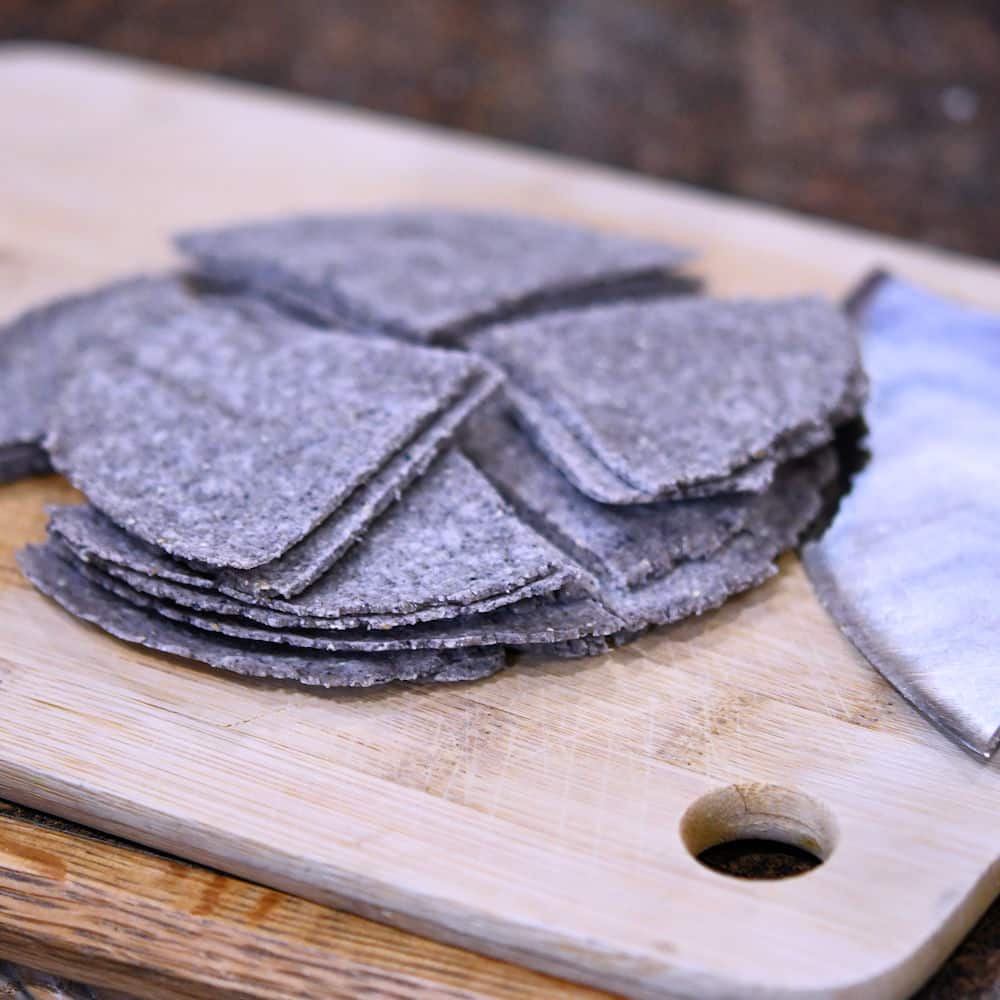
[(638, 402), (233, 432), (82, 598), (453, 540), (779, 519), (570, 615), (453, 547), (41, 350), (307, 560), (625, 545), (94, 538), (199, 597), (580, 465), (430, 275)]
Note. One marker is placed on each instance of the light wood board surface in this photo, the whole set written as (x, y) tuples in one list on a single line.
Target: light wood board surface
[(536, 815), (115, 916)]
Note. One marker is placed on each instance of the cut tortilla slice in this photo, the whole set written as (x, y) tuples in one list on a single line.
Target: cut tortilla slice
[(42, 349), (584, 470), (304, 563), (777, 522), (430, 275), (196, 593), (625, 545), (94, 538), (594, 479), (453, 541), (572, 614), (79, 596), (637, 402), (234, 431), (454, 547)]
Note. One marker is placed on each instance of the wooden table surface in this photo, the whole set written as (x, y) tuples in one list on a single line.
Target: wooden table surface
[(85, 907)]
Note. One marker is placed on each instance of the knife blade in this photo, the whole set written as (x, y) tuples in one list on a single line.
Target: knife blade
[(910, 565)]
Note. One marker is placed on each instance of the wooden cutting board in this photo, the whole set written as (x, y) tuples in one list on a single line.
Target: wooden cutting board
[(549, 814)]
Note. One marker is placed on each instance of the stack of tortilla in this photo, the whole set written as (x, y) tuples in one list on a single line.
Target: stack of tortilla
[(408, 445)]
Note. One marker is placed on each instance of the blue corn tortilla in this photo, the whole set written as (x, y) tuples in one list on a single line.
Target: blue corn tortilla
[(571, 614), (639, 402), (306, 561), (431, 275), (778, 521), (453, 546), (654, 564), (278, 499), (624, 545), (82, 598), (44, 348), (234, 432)]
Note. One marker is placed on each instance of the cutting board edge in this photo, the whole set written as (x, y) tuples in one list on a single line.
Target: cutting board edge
[(897, 974)]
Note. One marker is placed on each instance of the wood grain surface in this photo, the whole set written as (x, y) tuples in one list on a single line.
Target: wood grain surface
[(537, 815), (159, 928), (391, 956)]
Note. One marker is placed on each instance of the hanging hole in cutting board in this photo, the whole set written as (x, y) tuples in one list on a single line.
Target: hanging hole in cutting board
[(759, 831)]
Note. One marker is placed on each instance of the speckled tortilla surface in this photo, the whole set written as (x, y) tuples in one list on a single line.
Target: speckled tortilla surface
[(636, 402), (43, 348), (624, 545), (279, 485), (235, 431), (306, 561), (429, 274), (69, 588), (454, 543)]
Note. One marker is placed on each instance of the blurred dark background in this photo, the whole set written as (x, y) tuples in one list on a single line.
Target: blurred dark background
[(884, 114)]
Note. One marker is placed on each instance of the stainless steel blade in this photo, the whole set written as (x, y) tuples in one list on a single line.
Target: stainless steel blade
[(910, 566)]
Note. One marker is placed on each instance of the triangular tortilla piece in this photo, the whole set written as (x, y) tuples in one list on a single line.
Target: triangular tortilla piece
[(430, 275), (776, 524), (570, 615), (643, 401), (45, 347), (234, 431), (306, 561), (625, 545), (202, 599), (593, 478), (80, 597), (453, 544), (95, 536)]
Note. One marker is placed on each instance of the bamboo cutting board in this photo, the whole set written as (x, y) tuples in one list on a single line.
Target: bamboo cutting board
[(549, 814)]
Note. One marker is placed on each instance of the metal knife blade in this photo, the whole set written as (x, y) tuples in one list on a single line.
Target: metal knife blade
[(910, 566)]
